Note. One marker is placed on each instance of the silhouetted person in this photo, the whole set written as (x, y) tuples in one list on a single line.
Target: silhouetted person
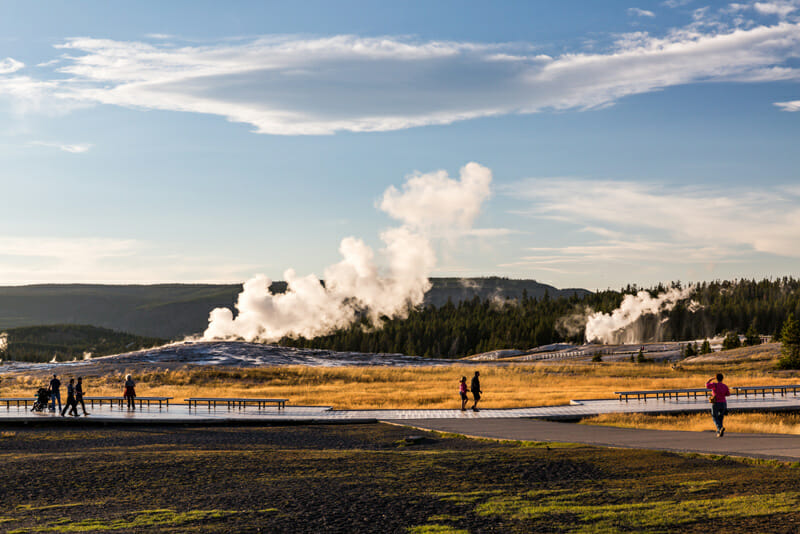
[(55, 393), (475, 387), (71, 404), (79, 395), (719, 404), (462, 390), (130, 392)]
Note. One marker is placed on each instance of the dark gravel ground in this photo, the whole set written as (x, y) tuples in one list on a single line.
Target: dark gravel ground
[(367, 478)]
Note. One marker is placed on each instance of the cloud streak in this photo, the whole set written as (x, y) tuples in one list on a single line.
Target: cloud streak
[(9, 65), (637, 12), (78, 148), (288, 85), (633, 221)]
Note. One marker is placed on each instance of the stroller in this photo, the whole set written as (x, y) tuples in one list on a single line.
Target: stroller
[(42, 400)]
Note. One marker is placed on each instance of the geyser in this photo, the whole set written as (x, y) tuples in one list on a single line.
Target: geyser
[(429, 206), (623, 324)]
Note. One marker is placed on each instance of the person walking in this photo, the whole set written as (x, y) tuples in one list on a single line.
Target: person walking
[(462, 390), (71, 404), (719, 404), (475, 387), (79, 395), (55, 393), (130, 392)]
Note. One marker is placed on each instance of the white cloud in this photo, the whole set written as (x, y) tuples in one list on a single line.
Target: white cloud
[(79, 148), (289, 85), (41, 259), (635, 11), (667, 223), (780, 8), (789, 106), (9, 65), (676, 3), (434, 201)]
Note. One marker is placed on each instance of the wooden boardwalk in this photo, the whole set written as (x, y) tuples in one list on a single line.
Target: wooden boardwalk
[(578, 409)]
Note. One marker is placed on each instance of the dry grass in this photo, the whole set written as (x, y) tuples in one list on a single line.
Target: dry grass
[(504, 385), (759, 423)]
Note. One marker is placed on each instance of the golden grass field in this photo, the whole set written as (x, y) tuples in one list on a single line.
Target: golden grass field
[(504, 385)]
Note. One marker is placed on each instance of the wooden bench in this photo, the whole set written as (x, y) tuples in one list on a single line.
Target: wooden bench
[(232, 402), (661, 393), (120, 401), (783, 389), (18, 400)]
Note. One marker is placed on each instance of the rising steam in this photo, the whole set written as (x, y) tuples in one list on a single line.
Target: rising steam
[(622, 325), (359, 286)]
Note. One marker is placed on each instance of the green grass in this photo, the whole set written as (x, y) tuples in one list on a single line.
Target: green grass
[(141, 519), (641, 516), (349, 478)]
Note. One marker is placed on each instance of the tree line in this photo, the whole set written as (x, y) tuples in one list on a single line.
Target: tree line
[(481, 325), (66, 342)]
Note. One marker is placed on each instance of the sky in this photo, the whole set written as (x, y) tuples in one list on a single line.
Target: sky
[(192, 141)]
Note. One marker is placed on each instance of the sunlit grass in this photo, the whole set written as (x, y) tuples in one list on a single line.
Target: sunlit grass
[(759, 423), (436, 387)]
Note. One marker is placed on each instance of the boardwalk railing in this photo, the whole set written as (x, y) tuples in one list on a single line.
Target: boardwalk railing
[(783, 390), (24, 401), (120, 401), (232, 402), (661, 393), (18, 400)]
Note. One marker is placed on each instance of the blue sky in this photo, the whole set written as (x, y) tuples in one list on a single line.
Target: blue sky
[(210, 141)]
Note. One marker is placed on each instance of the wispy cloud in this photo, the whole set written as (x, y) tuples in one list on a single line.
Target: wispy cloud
[(39, 259), (679, 223), (789, 106), (79, 148), (781, 8), (637, 12), (9, 65), (291, 85)]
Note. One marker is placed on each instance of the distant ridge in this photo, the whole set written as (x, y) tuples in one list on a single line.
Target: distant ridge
[(175, 310)]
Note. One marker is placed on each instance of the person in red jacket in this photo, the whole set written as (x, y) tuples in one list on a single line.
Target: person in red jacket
[(719, 404), (462, 391)]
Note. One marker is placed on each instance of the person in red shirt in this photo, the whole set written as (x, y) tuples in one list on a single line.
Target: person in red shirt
[(462, 390), (719, 404)]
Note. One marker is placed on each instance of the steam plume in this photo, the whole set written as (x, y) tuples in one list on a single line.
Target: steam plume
[(620, 326), (429, 204)]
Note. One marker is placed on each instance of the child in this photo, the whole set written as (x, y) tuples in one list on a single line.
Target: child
[(462, 390)]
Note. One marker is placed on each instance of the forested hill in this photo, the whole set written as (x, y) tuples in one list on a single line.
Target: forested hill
[(176, 310), (481, 325), (68, 342)]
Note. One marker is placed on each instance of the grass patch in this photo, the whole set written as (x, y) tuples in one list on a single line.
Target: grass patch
[(141, 519), (436, 529), (759, 423), (350, 478), (636, 516), (505, 386)]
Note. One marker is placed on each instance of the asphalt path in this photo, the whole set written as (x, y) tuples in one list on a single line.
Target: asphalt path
[(768, 446)]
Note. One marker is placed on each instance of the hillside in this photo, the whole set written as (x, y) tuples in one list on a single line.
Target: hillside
[(175, 310), (67, 342)]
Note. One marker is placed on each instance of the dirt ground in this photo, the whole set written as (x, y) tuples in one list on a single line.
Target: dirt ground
[(370, 478)]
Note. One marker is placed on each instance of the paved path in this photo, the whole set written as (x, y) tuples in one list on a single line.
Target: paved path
[(575, 410), (534, 424), (771, 446)]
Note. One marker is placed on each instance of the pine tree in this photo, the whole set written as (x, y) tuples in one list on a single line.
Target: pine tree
[(751, 336), (705, 348), (790, 339), (731, 341)]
